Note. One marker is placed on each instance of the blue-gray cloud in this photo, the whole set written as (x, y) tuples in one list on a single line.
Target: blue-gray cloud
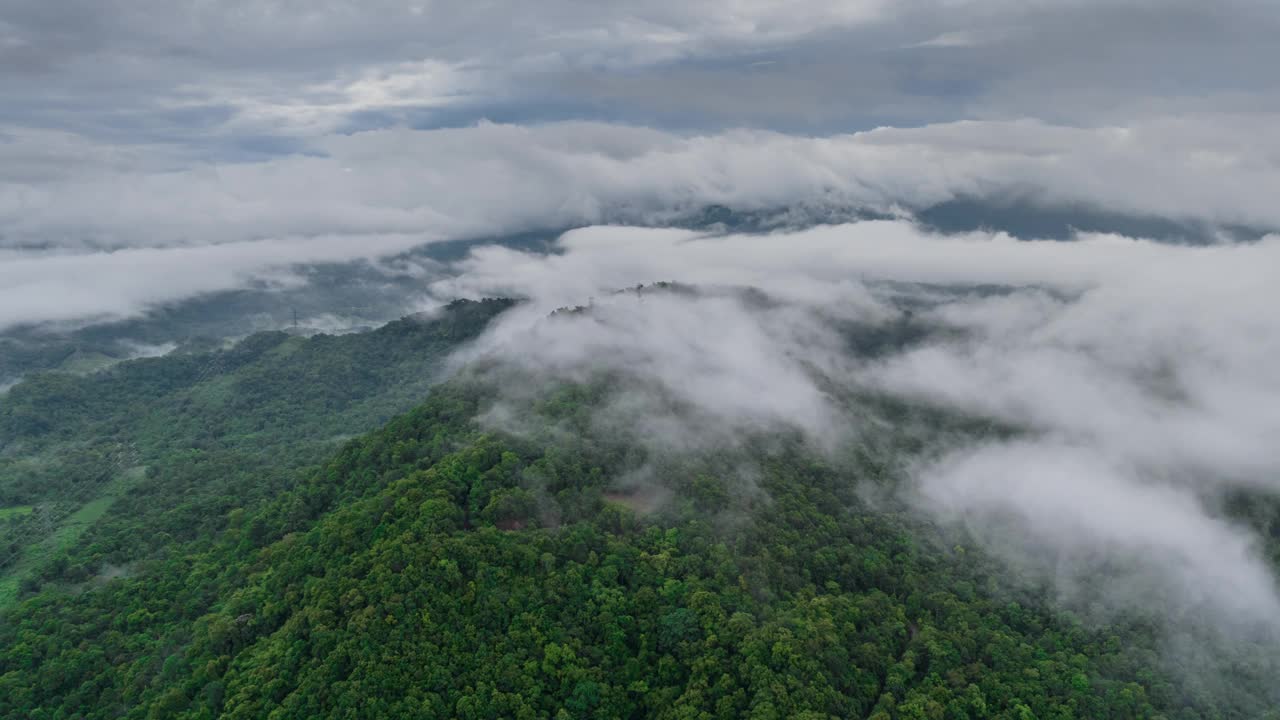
[(214, 74)]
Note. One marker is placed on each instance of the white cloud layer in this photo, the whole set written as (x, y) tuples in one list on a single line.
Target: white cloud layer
[(494, 178), (505, 178), (1142, 374), (52, 287)]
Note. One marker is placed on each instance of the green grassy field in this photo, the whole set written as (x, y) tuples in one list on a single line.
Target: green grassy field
[(15, 510), (67, 533), (83, 363)]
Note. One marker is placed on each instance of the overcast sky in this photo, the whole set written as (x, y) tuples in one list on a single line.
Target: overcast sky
[(166, 123), (248, 78)]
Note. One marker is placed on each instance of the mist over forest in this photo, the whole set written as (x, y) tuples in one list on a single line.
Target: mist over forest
[(739, 359)]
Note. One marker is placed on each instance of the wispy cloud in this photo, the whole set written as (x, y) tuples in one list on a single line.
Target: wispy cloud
[(1139, 376), (1215, 169), (104, 286), (488, 179)]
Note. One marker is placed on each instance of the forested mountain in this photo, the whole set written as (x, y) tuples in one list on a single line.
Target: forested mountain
[(320, 297), (199, 536), (639, 359), (171, 444)]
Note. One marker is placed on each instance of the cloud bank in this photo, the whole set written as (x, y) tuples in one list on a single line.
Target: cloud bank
[(1139, 376), (105, 286), (496, 178), (493, 179)]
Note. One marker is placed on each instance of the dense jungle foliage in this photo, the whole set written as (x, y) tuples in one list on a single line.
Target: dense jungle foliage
[(241, 557)]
